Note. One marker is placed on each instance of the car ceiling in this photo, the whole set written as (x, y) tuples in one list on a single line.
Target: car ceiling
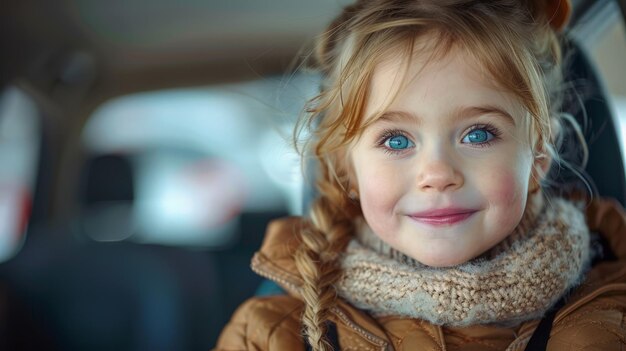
[(86, 51), (142, 42)]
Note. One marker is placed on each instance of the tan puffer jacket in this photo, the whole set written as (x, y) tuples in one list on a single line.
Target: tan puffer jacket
[(592, 319)]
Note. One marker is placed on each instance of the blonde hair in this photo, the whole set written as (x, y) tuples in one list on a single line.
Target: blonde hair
[(512, 39)]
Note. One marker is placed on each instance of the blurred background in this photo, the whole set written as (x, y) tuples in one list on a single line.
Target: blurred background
[(144, 147)]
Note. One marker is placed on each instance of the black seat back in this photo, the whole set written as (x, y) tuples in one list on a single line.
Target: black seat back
[(588, 101)]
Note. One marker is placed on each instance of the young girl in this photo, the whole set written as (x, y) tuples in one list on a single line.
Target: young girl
[(432, 230)]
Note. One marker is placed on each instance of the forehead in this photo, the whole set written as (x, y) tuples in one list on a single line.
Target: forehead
[(433, 81)]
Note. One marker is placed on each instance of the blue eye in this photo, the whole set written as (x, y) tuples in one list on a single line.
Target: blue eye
[(477, 136), (398, 142)]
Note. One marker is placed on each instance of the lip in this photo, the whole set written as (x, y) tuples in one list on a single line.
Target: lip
[(443, 216)]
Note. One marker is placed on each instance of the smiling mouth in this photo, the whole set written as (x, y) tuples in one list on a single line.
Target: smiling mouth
[(444, 217)]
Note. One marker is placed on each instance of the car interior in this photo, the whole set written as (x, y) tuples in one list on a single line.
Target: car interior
[(145, 146)]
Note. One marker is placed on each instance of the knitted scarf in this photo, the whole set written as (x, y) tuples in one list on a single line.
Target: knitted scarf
[(517, 280)]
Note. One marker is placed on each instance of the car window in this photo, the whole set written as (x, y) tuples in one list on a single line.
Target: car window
[(19, 152), (197, 159)]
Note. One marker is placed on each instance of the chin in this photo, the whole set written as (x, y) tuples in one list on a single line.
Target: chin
[(442, 261)]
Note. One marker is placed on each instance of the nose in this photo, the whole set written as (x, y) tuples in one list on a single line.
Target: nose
[(438, 172)]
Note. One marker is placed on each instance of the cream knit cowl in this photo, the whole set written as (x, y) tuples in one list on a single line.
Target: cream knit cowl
[(517, 280)]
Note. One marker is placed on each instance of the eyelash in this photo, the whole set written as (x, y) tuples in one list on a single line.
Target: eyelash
[(490, 128), (390, 133)]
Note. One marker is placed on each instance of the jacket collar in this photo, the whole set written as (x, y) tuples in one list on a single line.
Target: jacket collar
[(607, 218), (275, 262)]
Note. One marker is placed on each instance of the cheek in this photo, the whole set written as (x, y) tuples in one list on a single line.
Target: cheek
[(379, 193), (507, 189), (375, 182), (507, 185), (507, 196), (376, 192)]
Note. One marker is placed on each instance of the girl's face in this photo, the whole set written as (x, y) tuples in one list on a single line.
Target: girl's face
[(443, 175)]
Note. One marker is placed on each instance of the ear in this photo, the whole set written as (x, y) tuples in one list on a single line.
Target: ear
[(541, 166)]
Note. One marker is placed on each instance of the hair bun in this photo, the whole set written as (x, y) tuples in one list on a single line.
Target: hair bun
[(558, 13)]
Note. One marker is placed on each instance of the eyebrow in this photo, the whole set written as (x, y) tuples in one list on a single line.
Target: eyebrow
[(473, 111), (460, 113)]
